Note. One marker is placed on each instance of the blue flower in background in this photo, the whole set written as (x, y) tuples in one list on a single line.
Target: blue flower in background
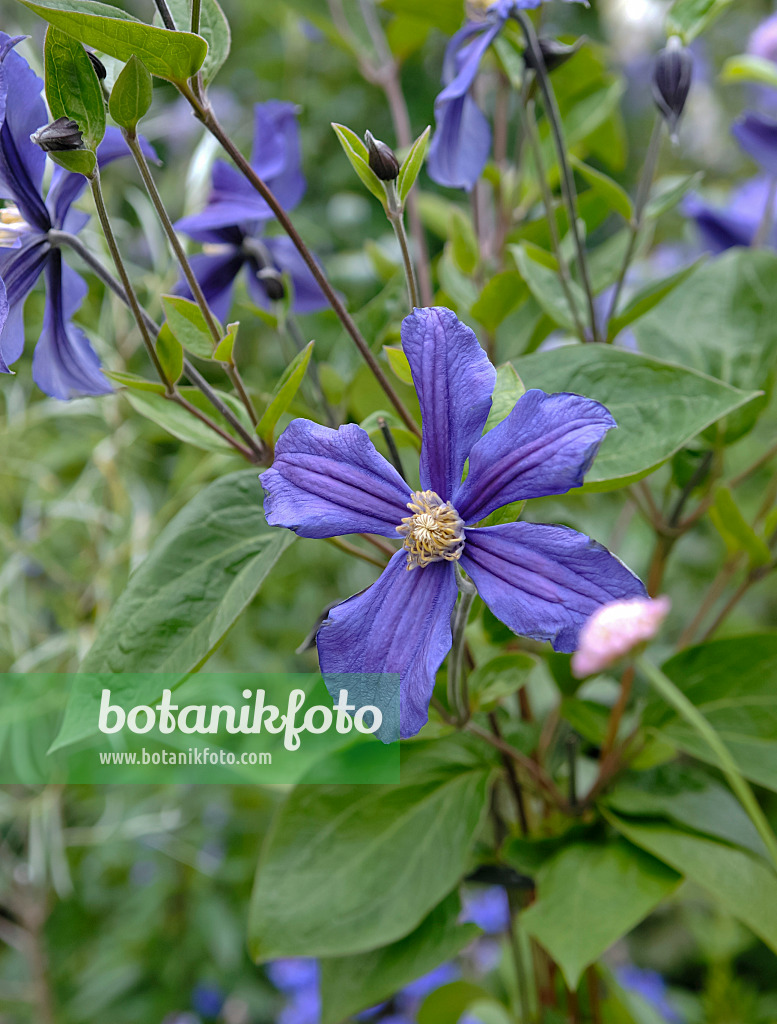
[(757, 136), (298, 979), (462, 139), (233, 222), (207, 1000), (651, 987), (64, 363), (488, 909), (541, 581)]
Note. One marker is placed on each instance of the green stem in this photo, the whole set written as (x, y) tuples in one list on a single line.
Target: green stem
[(677, 699), (643, 194), (396, 217), (458, 697), (164, 12), (211, 122), (553, 115), (196, 16)]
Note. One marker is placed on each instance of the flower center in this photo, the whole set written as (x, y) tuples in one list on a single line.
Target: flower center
[(433, 533), (12, 226)]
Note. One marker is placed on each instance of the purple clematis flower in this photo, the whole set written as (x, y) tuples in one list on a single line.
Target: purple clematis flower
[(737, 223), (64, 363), (650, 986), (232, 224), (462, 139), (757, 136), (541, 581)]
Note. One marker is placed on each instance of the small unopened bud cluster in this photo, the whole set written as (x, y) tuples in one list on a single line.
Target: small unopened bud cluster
[(672, 76), (61, 136), (382, 158), (616, 630)]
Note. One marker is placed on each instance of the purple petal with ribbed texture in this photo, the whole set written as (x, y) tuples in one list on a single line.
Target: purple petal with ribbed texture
[(757, 135), (19, 269), (545, 446), (308, 297), (545, 581), (400, 625), (324, 483), (21, 162), (4, 310), (454, 381), (64, 364), (216, 275), (223, 222)]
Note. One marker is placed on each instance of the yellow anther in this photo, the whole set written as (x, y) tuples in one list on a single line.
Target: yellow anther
[(12, 226), (433, 533)]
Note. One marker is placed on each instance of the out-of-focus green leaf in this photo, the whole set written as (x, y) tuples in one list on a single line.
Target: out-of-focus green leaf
[(449, 1003), (175, 420), (175, 56), (649, 297), (498, 678), (746, 67), (545, 286), (613, 193), (464, 243), (689, 18), (354, 983), (507, 392), (132, 380), (590, 895), (72, 86), (412, 164), (398, 363), (501, 294), (658, 406), (170, 352), (132, 94), (668, 193), (285, 390), (738, 535)]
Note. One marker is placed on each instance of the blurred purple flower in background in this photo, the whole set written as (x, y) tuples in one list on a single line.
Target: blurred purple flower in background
[(541, 581), (488, 909), (298, 979), (462, 139), (232, 225), (651, 987), (64, 363), (763, 41)]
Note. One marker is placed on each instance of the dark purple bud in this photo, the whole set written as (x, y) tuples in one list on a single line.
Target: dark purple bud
[(272, 282), (554, 53), (383, 159), (98, 65), (672, 75), (60, 136)]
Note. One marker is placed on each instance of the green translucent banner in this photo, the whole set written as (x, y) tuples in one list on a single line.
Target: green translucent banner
[(224, 728)]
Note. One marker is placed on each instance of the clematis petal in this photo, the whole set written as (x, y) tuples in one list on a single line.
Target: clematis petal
[(720, 229), (308, 297), (545, 446), (64, 364), (326, 482), (21, 162), (222, 222), (216, 275), (545, 581), (400, 625), (19, 270), (454, 381), (4, 310), (276, 155), (757, 135)]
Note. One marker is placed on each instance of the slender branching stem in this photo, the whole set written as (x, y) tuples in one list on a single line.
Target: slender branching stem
[(195, 21), (351, 549), (568, 190), (759, 463), (521, 976), (512, 778), (205, 113), (290, 326), (164, 13), (458, 697), (396, 217), (643, 194), (391, 444)]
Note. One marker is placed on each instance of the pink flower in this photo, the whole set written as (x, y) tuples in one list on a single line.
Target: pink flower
[(615, 630)]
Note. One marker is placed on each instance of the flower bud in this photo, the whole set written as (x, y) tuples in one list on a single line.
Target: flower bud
[(554, 53), (272, 282), (672, 74), (98, 65), (383, 159), (61, 136), (615, 630)]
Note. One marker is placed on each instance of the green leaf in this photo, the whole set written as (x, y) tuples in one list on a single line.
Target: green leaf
[(507, 391), (613, 194), (649, 297), (733, 682), (176, 421), (668, 193), (464, 243), (738, 535), (354, 983), (412, 164), (587, 718), (659, 407), (132, 94), (214, 29), (170, 352), (737, 880), (72, 86), (590, 895), (722, 320), (746, 67), (498, 678), (399, 363), (689, 18), (402, 435), (132, 380), (501, 294), (226, 346), (189, 326), (545, 286), (372, 861), (448, 1004), (175, 56), (358, 157), (285, 390), (204, 569)]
